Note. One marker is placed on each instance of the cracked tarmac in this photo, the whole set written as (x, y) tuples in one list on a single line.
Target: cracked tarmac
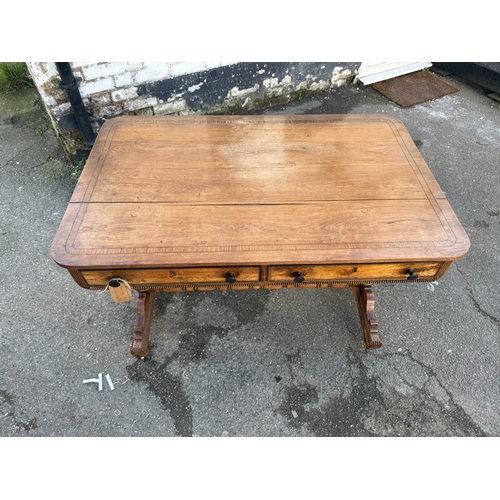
[(262, 362)]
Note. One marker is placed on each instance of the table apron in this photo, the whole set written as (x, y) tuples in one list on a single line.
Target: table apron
[(244, 277)]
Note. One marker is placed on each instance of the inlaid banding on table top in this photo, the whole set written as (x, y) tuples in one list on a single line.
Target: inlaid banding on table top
[(241, 228), (132, 128)]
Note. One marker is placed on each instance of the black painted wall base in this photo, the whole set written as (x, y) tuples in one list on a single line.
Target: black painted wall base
[(485, 74), (206, 91)]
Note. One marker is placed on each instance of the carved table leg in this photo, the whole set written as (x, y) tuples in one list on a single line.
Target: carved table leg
[(365, 301), (140, 339)]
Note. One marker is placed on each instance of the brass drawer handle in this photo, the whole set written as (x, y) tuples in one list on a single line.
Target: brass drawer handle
[(299, 278)]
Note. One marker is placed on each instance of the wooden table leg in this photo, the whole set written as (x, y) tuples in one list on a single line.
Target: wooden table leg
[(145, 307), (365, 300)]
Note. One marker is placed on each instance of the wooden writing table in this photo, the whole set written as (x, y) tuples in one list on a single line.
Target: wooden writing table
[(215, 202)]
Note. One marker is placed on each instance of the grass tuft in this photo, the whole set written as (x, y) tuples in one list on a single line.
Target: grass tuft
[(14, 75)]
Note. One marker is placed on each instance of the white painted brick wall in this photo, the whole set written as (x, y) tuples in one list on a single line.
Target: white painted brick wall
[(123, 80), (159, 71), (118, 78), (124, 94), (140, 103), (89, 87), (93, 71), (102, 99), (107, 111), (42, 72)]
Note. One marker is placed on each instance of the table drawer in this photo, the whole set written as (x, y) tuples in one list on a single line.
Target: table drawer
[(354, 271), (174, 275)]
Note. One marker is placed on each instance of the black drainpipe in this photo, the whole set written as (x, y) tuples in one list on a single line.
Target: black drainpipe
[(70, 84)]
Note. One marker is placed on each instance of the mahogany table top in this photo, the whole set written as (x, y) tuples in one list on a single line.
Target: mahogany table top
[(255, 190)]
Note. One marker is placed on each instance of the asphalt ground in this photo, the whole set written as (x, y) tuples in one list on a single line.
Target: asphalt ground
[(259, 363)]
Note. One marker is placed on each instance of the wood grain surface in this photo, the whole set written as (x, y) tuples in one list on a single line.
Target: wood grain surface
[(255, 190)]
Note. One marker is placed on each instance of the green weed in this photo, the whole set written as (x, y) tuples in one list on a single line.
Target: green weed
[(75, 176), (14, 75)]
